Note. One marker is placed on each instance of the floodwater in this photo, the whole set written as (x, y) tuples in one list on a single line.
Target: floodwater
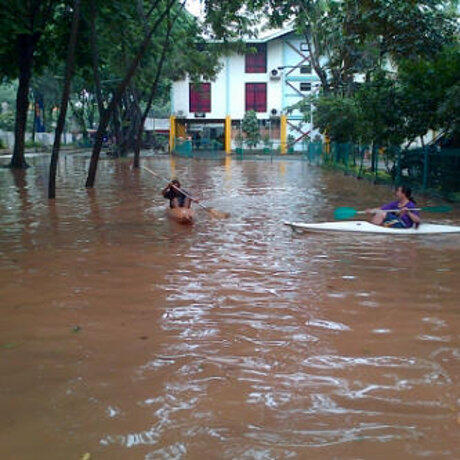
[(128, 336)]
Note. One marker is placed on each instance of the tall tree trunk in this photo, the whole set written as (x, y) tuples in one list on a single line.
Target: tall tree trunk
[(26, 45), (34, 124), (153, 91), (95, 60), (116, 97), (65, 99)]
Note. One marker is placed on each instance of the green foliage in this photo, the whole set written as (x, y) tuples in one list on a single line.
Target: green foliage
[(338, 116), (7, 121), (380, 111), (390, 109), (8, 94), (351, 37), (30, 144), (250, 126), (430, 92)]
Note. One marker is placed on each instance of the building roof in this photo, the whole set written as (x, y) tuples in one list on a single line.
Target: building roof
[(264, 36), (271, 34)]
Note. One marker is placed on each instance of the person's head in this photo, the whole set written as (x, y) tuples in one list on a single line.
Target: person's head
[(403, 192), (175, 182)]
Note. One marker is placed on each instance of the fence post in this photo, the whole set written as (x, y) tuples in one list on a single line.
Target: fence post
[(425, 168)]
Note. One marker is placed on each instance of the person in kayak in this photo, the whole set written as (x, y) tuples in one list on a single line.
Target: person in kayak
[(404, 217), (176, 198)]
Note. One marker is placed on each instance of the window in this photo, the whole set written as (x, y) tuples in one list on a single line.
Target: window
[(305, 68), (256, 62), (304, 46), (200, 97), (305, 86), (256, 97)]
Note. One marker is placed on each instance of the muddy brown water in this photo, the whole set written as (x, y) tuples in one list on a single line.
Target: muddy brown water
[(128, 336)]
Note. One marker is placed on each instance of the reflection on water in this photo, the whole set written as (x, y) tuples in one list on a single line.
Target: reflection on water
[(127, 335)]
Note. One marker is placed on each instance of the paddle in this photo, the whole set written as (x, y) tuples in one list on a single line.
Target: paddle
[(213, 212), (348, 213)]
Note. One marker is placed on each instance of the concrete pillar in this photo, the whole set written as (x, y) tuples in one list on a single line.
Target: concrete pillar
[(172, 132), (283, 134), (228, 135)]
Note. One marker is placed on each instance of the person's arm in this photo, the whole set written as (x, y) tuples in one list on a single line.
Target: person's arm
[(413, 215), (372, 210)]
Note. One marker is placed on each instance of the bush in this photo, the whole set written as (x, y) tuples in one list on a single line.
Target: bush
[(250, 127), (30, 144), (7, 121)]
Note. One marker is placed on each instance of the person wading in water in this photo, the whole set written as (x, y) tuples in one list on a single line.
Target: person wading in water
[(176, 198), (403, 217)]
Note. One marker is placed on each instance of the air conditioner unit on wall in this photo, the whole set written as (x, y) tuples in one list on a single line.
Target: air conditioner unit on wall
[(275, 74)]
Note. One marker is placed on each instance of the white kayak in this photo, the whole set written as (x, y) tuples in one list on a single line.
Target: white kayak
[(361, 226)]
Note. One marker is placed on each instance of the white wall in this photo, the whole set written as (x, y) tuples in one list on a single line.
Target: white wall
[(44, 138), (233, 74)]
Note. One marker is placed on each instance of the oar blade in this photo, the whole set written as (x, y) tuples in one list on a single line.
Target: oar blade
[(344, 213), (437, 209)]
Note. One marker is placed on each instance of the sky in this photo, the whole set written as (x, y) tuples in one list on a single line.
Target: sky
[(194, 7)]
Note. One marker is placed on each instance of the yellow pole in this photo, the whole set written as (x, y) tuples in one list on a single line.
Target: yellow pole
[(283, 134), (172, 132), (228, 135)]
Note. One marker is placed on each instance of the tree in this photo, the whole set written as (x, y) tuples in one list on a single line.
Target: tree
[(250, 127), (427, 87), (338, 117), (345, 38), (24, 27), (142, 48), (65, 99), (152, 95)]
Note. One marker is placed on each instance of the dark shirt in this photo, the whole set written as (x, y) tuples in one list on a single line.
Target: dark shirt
[(171, 194)]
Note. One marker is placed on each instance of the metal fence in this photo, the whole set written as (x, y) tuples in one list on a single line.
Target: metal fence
[(429, 169), (202, 148)]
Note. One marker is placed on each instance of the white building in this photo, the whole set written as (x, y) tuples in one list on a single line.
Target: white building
[(269, 82)]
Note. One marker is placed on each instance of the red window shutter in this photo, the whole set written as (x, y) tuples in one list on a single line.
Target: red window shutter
[(256, 97), (200, 97), (249, 97), (256, 62)]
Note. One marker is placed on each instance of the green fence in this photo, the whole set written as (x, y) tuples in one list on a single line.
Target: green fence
[(199, 148), (428, 169)]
